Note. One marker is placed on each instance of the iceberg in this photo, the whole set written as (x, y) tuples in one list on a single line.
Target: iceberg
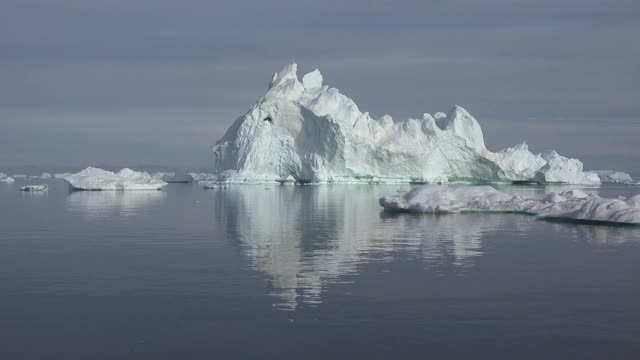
[(173, 177), (125, 179), (43, 176), (572, 204), (313, 133), (613, 177), (6, 179), (35, 188), (202, 177)]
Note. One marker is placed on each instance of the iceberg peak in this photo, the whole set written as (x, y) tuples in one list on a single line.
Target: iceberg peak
[(312, 80), (288, 72), (462, 124)]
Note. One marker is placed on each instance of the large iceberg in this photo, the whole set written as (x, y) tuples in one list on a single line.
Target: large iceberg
[(125, 179), (313, 133), (572, 204)]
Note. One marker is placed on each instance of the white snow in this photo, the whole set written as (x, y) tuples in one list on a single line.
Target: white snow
[(614, 177), (125, 179), (573, 204), (4, 178), (34, 188), (313, 133)]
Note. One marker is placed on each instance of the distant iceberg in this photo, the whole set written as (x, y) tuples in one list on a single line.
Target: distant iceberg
[(4, 178), (313, 133), (197, 177), (173, 177), (61, 176), (125, 179), (35, 188), (43, 176), (614, 177), (573, 204)]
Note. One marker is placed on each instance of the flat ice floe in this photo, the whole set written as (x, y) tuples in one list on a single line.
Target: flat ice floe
[(313, 133), (573, 204), (125, 179), (35, 188)]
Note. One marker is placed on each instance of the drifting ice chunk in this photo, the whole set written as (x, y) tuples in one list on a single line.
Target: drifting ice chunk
[(6, 179), (35, 188), (573, 204), (317, 134), (125, 179), (613, 177)]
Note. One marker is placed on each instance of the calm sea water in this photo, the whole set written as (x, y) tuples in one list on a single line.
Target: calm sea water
[(303, 273)]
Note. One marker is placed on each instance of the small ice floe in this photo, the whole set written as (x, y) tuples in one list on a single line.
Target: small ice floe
[(125, 179), (35, 188), (567, 205)]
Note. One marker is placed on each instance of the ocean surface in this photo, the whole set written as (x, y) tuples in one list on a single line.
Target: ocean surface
[(306, 272)]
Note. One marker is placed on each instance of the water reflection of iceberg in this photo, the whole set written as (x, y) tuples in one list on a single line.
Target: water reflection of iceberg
[(100, 203), (305, 238)]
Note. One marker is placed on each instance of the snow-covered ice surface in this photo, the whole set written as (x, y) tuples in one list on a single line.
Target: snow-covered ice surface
[(572, 204), (614, 177), (34, 188), (4, 178), (125, 179), (313, 133)]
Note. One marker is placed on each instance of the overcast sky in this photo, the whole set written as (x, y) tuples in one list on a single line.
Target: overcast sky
[(128, 82)]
